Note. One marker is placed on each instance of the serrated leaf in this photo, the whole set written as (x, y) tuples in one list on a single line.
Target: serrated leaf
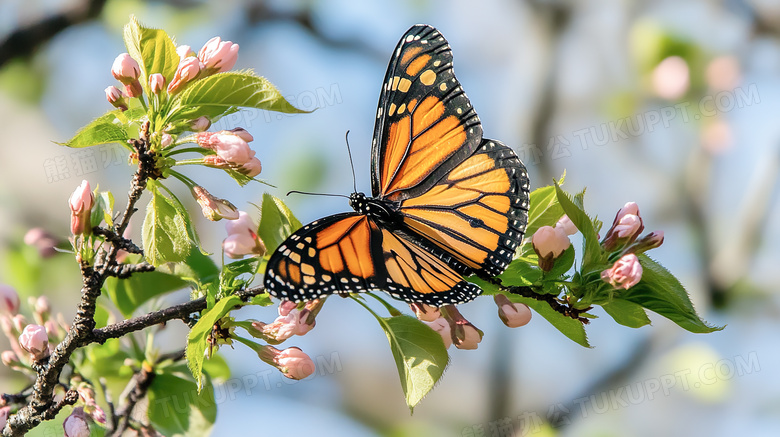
[(262, 300), (573, 329), (544, 209), (562, 264), (233, 89), (102, 130), (165, 230), (217, 368), (153, 49), (627, 313), (593, 253), (176, 408), (277, 222), (419, 354), (197, 338), (661, 292), (197, 268)]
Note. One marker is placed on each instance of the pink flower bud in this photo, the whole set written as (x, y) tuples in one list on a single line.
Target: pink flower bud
[(549, 243), (35, 340), (625, 273), (116, 98), (45, 242), (166, 140), (294, 363), (97, 413), (467, 336), (218, 55), (242, 238), (242, 133), (200, 124), (4, 413), (512, 314), (649, 241), (214, 208), (229, 146), (81, 202), (567, 225), (185, 51), (125, 69), (251, 168), (424, 312), (134, 89), (156, 83), (442, 326), (629, 226), (188, 70), (9, 300), (625, 228), (76, 424), (9, 359), (295, 322), (286, 306)]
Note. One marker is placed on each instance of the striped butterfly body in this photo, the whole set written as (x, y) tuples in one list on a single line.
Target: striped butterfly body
[(446, 203)]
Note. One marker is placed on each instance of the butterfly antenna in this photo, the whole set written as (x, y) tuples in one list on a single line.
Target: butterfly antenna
[(352, 164), (316, 194)]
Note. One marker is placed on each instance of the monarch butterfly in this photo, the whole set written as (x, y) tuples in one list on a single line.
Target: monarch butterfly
[(446, 202)]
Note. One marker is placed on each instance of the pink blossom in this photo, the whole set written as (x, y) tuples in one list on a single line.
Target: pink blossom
[(45, 242), (35, 340), (626, 227), (242, 133), (567, 225), (214, 208), (81, 202), (629, 226), (628, 208), (649, 241), (166, 140), (218, 55), (294, 363), (242, 238), (116, 98), (625, 273), (125, 69), (424, 312), (442, 326), (286, 306), (200, 124), (512, 314), (42, 305), (671, 78), (251, 168), (76, 424), (188, 70), (156, 83), (9, 300)]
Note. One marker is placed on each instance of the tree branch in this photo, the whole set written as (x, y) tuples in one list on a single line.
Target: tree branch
[(177, 312)]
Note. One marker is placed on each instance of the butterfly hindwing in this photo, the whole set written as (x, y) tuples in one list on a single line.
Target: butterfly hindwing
[(425, 123), (476, 213), (334, 255), (348, 253)]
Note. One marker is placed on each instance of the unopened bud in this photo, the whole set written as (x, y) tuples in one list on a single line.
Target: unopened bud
[(156, 83)]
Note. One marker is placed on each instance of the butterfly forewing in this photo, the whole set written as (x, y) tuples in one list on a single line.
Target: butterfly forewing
[(425, 123)]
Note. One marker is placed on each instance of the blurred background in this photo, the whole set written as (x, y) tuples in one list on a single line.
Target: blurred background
[(670, 104)]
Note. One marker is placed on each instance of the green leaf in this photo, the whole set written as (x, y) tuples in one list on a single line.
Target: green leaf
[(573, 329), (593, 253), (521, 272), (544, 209), (153, 49), (103, 210), (130, 293), (102, 130), (233, 89), (197, 338), (176, 407), (277, 222), (262, 300), (627, 313), (197, 268), (562, 264), (166, 235), (419, 354), (661, 292), (216, 368)]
